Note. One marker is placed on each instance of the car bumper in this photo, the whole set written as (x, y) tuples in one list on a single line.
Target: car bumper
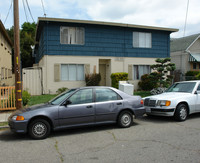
[(18, 126), (139, 112), (160, 111)]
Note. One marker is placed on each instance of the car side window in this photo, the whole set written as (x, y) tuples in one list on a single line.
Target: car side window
[(105, 94), (198, 88), (81, 97)]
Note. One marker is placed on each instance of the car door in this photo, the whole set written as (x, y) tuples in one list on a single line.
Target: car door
[(107, 104), (79, 111), (197, 105)]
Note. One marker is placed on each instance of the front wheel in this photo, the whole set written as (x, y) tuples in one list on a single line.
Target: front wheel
[(39, 129), (125, 119), (181, 112)]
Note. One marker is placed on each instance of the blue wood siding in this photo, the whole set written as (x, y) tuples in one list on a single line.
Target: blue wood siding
[(102, 41)]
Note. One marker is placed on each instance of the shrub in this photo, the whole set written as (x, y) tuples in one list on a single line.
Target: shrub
[(61, 90), (116, 77), (25, 97), (148, 81), (158, 90), (191, 75), (92, 79)]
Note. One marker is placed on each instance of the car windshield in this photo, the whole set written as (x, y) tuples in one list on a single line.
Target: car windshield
[(58, 99), (182, 87)]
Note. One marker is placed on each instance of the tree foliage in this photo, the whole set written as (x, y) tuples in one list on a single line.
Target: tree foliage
[(163, 67), (27, 39)]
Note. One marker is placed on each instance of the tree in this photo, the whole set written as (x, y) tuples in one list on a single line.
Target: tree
[(27, 39), (163, 67)]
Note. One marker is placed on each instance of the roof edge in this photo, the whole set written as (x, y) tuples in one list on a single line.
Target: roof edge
[(5, 33), (106, 23)]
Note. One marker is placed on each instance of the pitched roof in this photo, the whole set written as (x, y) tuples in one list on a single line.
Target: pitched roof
[(181, 44), (5, 34)]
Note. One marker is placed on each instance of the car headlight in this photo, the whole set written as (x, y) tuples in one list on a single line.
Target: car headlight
[(163, 103), (18, 118)]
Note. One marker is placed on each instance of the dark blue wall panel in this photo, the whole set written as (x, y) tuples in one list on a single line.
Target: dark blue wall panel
[(102, 40)]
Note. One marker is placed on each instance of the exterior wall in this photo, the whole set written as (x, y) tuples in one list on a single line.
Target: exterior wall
[(116, 65), (102, 40), (181, 60), (195, 48), (6, 77)]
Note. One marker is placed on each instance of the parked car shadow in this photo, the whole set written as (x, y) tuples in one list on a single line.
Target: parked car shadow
[(7, 135), (88, 129), (162, 119)]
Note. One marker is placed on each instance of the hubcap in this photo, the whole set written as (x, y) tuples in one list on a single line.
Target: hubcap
[(183, 113), (39, 129), (126, 119)]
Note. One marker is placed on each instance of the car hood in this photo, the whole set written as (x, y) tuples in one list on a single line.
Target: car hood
[(169, 96), (34, 107)]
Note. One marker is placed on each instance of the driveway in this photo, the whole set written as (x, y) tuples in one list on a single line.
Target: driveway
[(155, 139)]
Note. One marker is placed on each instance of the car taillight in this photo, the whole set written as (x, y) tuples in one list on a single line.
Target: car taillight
[(142, 102)]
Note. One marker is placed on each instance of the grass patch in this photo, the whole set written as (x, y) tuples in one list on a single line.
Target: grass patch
[(3, 123), (40, 99), (142, 93)]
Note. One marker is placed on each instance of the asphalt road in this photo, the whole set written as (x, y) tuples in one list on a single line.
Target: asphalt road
[(155, 139)]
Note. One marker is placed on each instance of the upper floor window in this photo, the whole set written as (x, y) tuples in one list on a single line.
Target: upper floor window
[(72, 35), (142, 40)]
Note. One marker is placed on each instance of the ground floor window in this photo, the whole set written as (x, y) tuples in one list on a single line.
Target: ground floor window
[(72, 72), (140, 70)]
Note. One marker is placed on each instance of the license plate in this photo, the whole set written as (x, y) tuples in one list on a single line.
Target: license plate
[(148, 110)]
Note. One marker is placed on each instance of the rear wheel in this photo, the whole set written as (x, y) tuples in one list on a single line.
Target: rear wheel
[(181, 112), (125, 119), (39, 129)]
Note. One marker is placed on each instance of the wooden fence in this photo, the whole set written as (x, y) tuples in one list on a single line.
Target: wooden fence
[(7, 98)]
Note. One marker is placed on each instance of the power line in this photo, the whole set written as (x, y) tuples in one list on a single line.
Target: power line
[(29, 10), (8, 11), (186, 19), (25, 11), (43, 8)]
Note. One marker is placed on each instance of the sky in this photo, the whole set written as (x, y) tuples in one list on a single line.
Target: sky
[(159, 13)]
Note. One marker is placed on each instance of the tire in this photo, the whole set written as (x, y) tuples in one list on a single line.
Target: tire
[(125, 119), (39, 129), (181, 112)]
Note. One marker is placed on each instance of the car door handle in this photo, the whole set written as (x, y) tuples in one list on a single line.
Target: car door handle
[(119, 103), (89, 106)]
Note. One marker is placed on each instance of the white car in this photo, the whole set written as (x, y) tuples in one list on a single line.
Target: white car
[(179, 100)]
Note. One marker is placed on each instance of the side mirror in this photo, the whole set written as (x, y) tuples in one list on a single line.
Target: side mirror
[(197, 92), (67, 102)]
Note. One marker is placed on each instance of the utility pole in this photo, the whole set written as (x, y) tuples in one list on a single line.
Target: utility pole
[(17, 60)]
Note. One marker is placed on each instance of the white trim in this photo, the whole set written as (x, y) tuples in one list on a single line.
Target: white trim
[(187, 50)]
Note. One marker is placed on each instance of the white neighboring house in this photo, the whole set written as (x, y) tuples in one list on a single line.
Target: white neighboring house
[(185, 53)]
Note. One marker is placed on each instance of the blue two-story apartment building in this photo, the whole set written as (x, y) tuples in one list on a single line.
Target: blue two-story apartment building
[(68, 49)]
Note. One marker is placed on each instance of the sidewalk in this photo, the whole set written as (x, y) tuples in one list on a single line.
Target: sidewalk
[(4, 116)]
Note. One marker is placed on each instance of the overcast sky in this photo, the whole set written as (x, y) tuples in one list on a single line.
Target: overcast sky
[(160, 13)]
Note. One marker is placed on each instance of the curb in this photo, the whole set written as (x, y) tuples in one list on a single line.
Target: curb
[(2, 127)]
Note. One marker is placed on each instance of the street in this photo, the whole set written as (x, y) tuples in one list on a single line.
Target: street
[(150, 139)]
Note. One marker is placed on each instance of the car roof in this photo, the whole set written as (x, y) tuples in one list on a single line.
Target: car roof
[(188, 81)]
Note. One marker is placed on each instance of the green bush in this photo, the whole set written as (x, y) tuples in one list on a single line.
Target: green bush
[(149, 81), (119, 76), (25, 97), (191, 75), (61, 90), (92, 79)]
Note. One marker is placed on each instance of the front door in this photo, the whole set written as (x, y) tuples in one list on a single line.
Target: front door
[(80, 111), (102, 71)]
